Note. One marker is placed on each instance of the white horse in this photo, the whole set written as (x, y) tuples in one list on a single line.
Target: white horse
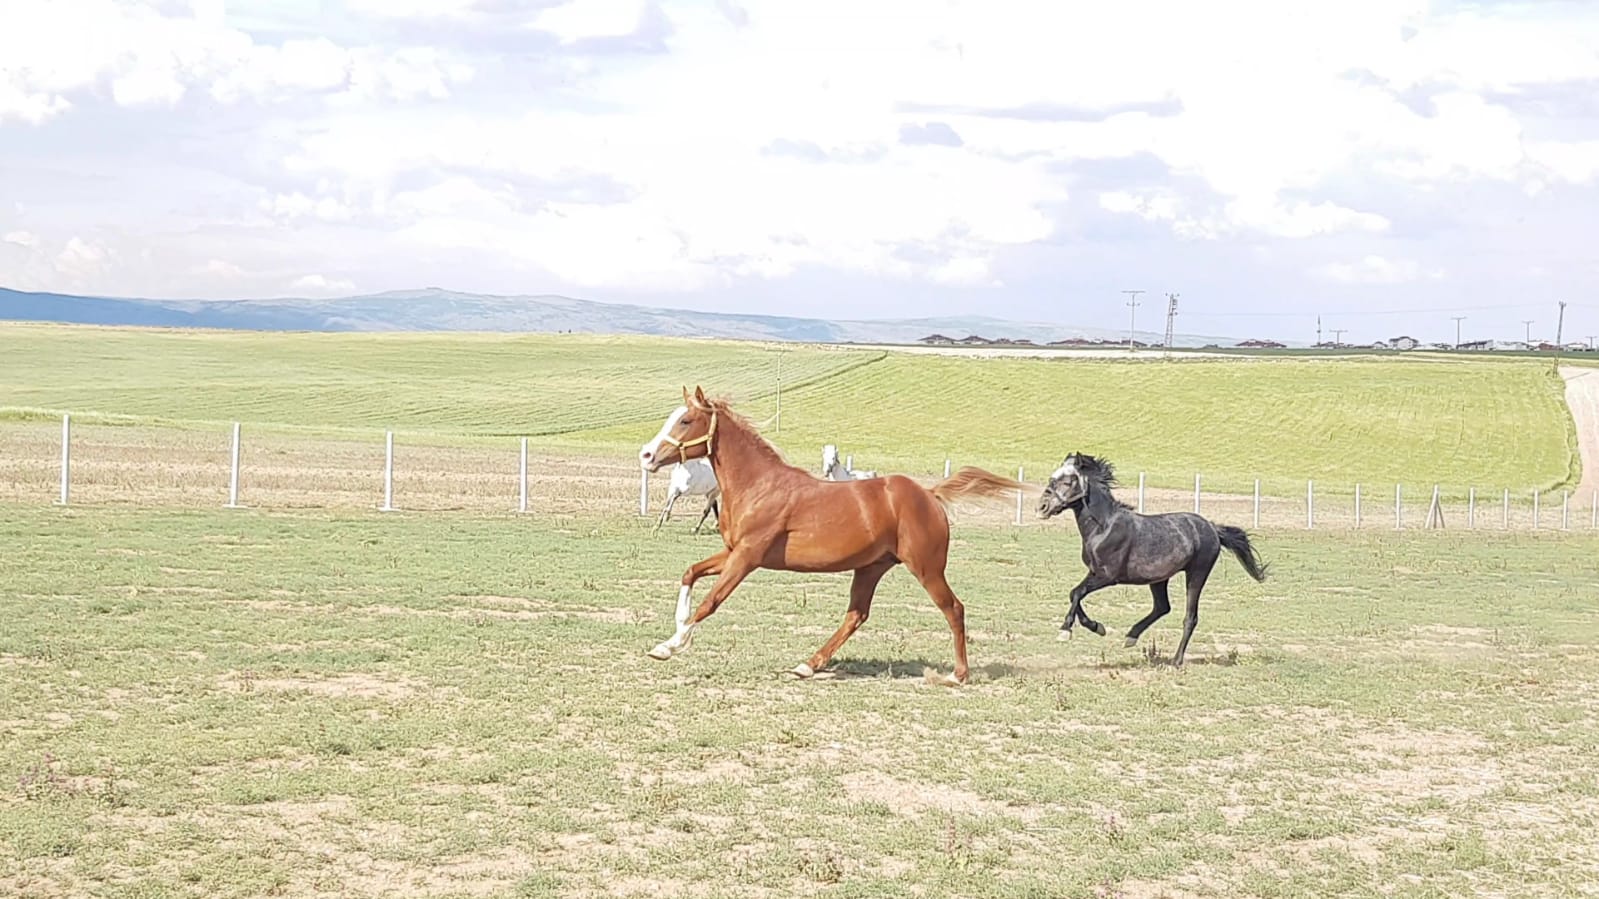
[(691, 478), (834, 470)]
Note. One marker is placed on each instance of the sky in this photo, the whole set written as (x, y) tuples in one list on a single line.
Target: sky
[(1384, 164)]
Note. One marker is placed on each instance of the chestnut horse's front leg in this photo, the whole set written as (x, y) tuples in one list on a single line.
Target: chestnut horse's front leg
[(732, 567), (683, 636)]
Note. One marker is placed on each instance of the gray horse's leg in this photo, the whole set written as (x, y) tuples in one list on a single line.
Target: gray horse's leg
[(1197, 575), (1162, 606), (1075, 613)]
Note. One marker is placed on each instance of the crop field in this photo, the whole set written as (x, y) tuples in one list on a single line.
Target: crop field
[(1462, 423), (220, 704)]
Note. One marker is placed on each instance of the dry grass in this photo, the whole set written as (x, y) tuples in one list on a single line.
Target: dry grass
[(301, 703)]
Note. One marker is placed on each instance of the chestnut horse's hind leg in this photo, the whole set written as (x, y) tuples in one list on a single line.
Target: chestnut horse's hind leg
[(860, 608), (933, 582), (681, 639)]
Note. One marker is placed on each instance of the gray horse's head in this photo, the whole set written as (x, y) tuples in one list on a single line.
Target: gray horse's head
[(1070, 483)]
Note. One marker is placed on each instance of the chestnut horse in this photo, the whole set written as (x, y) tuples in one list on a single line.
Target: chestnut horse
[(777, 516)]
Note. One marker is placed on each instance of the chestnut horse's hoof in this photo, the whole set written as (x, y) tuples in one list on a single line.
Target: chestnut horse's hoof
[(803, 671), (661, 651)]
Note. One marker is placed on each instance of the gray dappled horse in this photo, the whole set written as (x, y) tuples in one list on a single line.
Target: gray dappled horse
[(1121, 546)]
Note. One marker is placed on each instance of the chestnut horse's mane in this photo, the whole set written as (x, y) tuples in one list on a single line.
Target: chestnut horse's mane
[(760, 443)]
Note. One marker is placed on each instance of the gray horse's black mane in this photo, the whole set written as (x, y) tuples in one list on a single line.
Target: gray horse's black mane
[(1099, 472), (1095, 469)]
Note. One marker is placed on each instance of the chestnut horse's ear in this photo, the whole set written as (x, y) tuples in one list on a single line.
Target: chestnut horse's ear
[(685, 396), (699, 398)]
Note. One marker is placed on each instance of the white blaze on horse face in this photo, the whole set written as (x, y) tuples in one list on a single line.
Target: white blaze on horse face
[(1069, 467), (652, 448)]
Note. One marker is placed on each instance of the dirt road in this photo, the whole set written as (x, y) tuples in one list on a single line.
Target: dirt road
[(1582, 395)]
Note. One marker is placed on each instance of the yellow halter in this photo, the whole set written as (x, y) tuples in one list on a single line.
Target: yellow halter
[(706, 438)]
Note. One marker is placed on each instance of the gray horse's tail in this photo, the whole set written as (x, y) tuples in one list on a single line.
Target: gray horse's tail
[(1237, 540)]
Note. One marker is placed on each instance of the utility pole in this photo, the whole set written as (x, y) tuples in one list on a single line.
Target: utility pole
[(1338, 336), (1171, 315), (1590, 342), (1528, 322), (1560, 324), (1458, 319), (1132, 318), (1318, 330)]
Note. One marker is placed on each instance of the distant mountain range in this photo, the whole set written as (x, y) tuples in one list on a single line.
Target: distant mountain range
[(436, 309)]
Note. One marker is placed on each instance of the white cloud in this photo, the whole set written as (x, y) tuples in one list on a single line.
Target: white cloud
[(21, 239), (1375, 269), (321, 284), (150, 54), (582, 19), (220, 269), (296, 205)]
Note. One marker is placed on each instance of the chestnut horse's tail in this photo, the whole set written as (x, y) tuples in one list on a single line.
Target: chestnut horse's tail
[(970, 481)]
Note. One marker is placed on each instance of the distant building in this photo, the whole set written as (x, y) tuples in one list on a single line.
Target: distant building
[(1262, 344), (933, 339), (1478, 346), (1380, 345), (1404, 343), (974, 340)]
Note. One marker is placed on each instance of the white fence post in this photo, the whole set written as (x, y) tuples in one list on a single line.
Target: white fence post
[(233, 477), (1140, 493), (644, 493), (1504, 514), (1565, 511), (1535, 510), (1310, 505), (66, 458), (1435, 511), (1019, 495), (1196, 493), (849, 462), (388, 472), (1357, 506), (1593, 511), (1399, 513), (946, 468), (1471, 508), (1257, 502), (521, 503)]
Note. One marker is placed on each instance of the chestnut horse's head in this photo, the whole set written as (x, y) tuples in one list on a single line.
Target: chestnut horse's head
[(688, 433)]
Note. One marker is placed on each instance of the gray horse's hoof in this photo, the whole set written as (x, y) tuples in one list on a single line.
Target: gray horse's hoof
[(1130, 643), (1063, 635), (1099, 629)]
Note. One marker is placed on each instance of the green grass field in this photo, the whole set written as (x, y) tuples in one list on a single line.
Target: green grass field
[(1463, 422), (248, 704)]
